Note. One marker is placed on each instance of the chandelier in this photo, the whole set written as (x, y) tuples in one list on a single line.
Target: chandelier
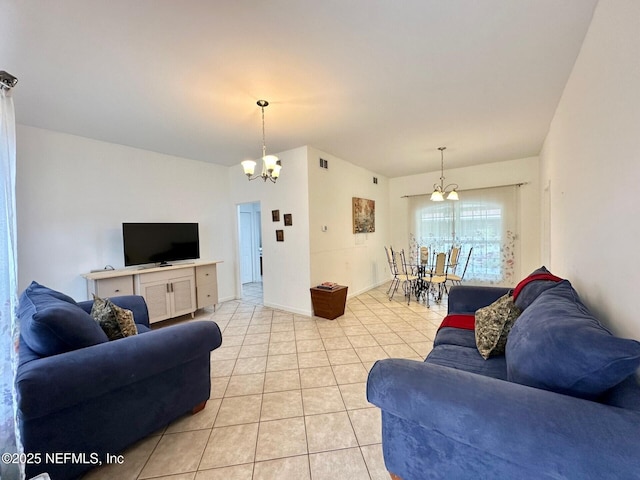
[(439, 191), (270, 163)]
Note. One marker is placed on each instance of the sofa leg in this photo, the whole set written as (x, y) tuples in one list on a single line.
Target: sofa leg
[(198, 407), (394, 476)]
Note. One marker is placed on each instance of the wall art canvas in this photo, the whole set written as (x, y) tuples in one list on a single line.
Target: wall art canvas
[(364, 215), (279, 235), (288, 220), (275, 215)]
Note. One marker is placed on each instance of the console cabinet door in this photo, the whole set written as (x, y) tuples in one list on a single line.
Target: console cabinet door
[(156, 294), (183, 296)]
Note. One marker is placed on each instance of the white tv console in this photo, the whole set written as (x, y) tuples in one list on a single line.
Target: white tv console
[(169, 291)]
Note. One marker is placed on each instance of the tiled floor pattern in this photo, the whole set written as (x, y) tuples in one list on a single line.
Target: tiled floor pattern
[(252, 293), (288, 396)]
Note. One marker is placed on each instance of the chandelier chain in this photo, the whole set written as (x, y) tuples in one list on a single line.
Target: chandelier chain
[(264, 143), (442, 166)]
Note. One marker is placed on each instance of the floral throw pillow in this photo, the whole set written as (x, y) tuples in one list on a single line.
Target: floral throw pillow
[(116, 322), (493, 324)]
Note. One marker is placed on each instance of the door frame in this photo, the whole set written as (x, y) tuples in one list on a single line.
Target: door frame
[(256, 235)]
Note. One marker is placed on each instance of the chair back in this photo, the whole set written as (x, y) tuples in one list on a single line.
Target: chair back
[(424, 256), (398, 258), (441, 261), (407, 268), (386, 252), (466, 264), (389, 253), (454, 255)]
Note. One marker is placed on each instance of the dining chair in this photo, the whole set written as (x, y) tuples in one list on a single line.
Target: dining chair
[(457, 279), (405, 275), (452, 264), (437, 278), (393, 269)]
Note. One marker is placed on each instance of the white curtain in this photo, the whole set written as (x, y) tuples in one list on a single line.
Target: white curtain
[(9, 333), (485, 219)]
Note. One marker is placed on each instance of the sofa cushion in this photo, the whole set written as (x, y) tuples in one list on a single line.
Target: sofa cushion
[(532, 286), (116, 322), (456, 329), (557, 345), (37, 289), (468, 359), (140, 328), (493, 324), (455, 336), (52, 323)]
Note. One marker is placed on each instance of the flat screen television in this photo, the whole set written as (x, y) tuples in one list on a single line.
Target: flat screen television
[(159, 243)]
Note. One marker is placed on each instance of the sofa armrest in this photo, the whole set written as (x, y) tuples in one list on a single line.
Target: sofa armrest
[(135, 303), (468, 299), (53, 383), (563, 436)]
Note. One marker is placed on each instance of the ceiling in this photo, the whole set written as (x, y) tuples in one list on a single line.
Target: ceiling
[(378, 83)]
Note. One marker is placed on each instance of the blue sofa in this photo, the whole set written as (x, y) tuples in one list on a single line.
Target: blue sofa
[(79, 393), (563, 402)]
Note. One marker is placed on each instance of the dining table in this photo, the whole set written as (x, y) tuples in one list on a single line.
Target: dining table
[(423, 286)]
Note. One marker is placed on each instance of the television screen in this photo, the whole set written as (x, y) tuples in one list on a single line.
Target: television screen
[(159, 242)]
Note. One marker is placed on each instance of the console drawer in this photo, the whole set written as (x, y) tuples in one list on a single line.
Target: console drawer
[(114, 287), (205, 274)]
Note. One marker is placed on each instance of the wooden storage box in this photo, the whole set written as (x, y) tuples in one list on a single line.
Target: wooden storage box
[(329, 303)]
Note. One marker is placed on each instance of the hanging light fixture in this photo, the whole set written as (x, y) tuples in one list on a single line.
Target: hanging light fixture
[(270, 163), (439, 191)]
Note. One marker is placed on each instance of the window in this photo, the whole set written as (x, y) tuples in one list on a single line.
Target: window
[(485, 219)]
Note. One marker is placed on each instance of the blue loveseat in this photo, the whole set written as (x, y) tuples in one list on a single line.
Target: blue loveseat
[(81, 394), (563, 402)]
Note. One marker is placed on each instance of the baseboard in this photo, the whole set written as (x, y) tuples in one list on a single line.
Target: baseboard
[(366, 289), (227, 299), (284, 308)]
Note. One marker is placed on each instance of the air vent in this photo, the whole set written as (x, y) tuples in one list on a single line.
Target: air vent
[(324, 163), (375, 180)]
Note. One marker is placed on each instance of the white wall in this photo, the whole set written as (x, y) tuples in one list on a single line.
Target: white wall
[(339, 255), (591, 157), (525, 170), (73, 194), (285, 264)]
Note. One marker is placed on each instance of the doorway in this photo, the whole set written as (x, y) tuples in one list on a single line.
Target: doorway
[(250, 251)]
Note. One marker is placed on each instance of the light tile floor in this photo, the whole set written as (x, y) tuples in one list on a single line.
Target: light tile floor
[(288, 395), (252, 293)]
